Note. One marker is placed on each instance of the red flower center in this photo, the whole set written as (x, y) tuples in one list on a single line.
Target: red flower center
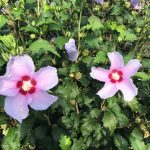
[(115, 76), (26, 85)]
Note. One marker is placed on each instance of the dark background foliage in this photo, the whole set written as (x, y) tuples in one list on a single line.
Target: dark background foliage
[(79, 120)]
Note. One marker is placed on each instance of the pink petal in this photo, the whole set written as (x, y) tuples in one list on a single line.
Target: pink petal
[(19, 66), (116, 60), (71, 49), (131, 68), (8, 87), (99, 1), (46, 78), (128, 89), (42, 100), (99, 74), (137, 7), (17, 107), (107, 91)]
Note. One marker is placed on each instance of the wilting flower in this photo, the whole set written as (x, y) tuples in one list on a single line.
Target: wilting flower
[(23, 86), (99, 1), (117, 77), (135, 4), (71, 50)]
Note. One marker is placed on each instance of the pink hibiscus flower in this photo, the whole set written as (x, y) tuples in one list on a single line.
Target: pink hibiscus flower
[(23, 86), (71, 50), (117, 77)]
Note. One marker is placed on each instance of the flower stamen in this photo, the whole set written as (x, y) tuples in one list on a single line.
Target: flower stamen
[(26, 85), (115, 76)]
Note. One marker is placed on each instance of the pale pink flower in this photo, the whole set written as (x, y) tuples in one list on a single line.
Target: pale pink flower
[(71, 50), (99, 1), (22, 86), (117, 77), (135, 4)]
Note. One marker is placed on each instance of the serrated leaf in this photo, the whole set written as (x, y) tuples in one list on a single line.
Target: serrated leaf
[(144, 76), (109, 121), (116, 10), (135, 106), (101, 57), (120, 142), (29, 28), (116, 109), (94, 24), (12, 139), (136, 139), (65, 143), (129, 36), (95, 113), (41, 46), (60, 41), (3, 21), (137, 133), (92, 42), (74, 68)]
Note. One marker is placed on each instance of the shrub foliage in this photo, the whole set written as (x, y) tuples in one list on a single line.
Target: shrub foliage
[(79, 120)]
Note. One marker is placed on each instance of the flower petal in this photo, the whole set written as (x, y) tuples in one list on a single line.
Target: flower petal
[(8, 87), (107, 91), (71, 50), (17, 107), (19, 66), (128, 89), (99, 74), (99, 1), (46, 78), (42, 100), (135, 4), (131, 68), (116, 60)]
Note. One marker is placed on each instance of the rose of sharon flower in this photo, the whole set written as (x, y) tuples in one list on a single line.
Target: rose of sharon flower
[(117, 77), (99, 1), (71, 50), (22, 86), (135, 4)]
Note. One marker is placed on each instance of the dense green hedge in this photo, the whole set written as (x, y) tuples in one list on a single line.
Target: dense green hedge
[(79, 120)]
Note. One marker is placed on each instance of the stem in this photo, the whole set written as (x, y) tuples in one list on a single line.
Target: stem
[(79, 23), (38, 7), (77, 108)]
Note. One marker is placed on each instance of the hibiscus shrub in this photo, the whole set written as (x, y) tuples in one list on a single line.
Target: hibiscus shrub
[(83, 117)]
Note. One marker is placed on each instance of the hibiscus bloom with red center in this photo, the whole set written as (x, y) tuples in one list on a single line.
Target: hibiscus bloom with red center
[(22, 86), (118, 77)]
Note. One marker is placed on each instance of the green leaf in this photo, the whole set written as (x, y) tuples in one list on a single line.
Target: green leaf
[(41, 46), (94, 24), (136, 139), (109, 121), (69, 89), (135, 106), (60, 41), (116, 10), (3, 21), (137, 133), (101, 57), (12, 139), (137, 144), (74, 68), (65, 142), (120, 142), (92, 42), (129, 36), (95, 113), (9, 41), (115, 108), (29, 28), (144, 76)]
